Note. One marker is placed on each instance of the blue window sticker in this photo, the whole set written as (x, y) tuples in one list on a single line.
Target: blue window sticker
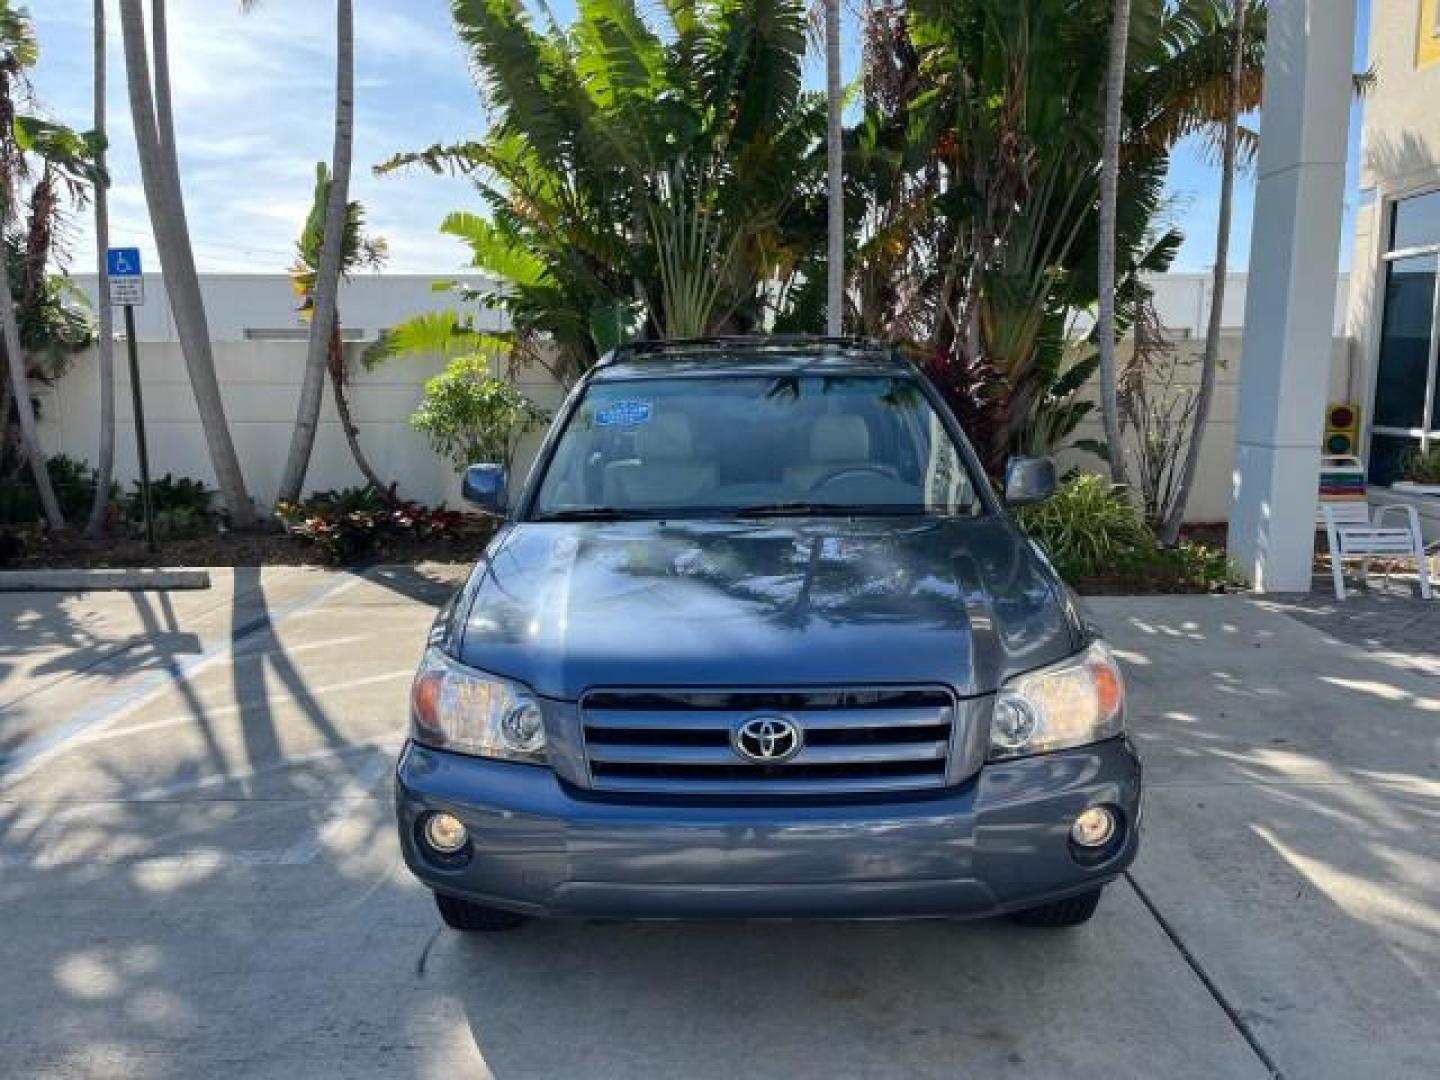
[(624, 414)]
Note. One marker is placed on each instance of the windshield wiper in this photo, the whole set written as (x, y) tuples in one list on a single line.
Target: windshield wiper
[(590, 513), (797, 509)]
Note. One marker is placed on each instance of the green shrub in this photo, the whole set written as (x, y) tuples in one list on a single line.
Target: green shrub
[(1423, 467), (182, 506), (470, 416), (74, 484), (1186, 568), (1086, 527)]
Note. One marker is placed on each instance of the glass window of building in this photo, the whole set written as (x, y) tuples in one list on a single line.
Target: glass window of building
[(1406, 406)]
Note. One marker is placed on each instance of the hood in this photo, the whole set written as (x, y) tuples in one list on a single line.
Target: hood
[(566, 607)]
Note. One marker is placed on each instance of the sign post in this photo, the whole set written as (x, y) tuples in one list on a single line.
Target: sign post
[(127, 290)]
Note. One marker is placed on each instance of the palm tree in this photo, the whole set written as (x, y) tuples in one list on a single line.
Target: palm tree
[(1109, 185), (630, 176), (1175, 515), (328, 268), (105, 465), (357, 251), (835, 221), (155, 143), (66, 163)]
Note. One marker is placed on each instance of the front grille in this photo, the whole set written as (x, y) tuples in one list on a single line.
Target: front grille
[(675, 742)]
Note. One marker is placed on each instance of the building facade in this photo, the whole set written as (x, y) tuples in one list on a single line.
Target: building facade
[(1394, 302)]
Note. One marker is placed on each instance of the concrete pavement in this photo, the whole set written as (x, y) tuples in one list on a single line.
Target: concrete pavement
[(198, 875)]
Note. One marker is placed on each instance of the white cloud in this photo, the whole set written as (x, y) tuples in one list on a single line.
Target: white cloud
[(254, 104)]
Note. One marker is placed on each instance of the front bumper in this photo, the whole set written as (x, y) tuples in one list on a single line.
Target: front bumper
[(997, 843)]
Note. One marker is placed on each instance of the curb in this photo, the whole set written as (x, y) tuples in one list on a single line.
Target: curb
[(101, 580)]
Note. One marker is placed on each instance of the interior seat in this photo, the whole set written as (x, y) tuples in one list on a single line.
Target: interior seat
[(836, 442), (666, 471)]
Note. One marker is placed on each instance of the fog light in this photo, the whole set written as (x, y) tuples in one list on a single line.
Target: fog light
[(445, 833), (1093, 828)]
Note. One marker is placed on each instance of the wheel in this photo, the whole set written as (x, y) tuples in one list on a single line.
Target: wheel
[(464, 915), (1071, 911)]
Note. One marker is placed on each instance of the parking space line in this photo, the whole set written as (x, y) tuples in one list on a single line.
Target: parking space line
[(90, 738), (21, 762), (116, 649)]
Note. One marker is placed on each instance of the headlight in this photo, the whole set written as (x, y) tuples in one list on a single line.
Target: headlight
[(453, 707), (1078, 701)]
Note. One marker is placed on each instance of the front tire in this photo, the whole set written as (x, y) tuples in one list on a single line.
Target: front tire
[(471, 917), (1071, 911)]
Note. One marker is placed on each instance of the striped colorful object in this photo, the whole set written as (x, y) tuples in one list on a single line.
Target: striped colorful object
[(1342, 483)]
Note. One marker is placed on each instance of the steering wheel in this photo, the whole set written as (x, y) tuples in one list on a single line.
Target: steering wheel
[(844, 470)]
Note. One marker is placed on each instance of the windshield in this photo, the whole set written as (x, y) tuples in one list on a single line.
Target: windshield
[(755, 444)]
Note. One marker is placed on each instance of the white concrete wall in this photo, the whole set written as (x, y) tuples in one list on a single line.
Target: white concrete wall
[(240, 306), (261, 383), (1210, 499)]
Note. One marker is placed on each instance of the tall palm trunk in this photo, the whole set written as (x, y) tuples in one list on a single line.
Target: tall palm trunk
[(105, 464), (1175, 513), (327, 273), (336, 365), (24, 407), (835, 244), (1109, 183), (163, 197), (164, 102)]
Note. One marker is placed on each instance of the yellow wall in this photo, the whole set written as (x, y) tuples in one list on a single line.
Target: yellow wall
[(1427, 40)]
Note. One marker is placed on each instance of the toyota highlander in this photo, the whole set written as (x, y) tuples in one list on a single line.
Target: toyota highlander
[(757, 638)]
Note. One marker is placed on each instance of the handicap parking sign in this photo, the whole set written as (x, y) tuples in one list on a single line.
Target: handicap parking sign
[(127, 286)]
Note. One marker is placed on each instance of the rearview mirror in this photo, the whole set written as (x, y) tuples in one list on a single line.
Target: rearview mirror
[(1029, 480), (484, 488)]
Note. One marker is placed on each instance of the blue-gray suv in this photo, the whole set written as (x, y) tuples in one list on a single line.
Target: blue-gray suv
[(757, 639)]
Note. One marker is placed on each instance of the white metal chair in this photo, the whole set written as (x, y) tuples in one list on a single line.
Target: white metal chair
[(1353, 532)]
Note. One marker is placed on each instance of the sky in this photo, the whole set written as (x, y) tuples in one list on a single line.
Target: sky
[(254, 109)]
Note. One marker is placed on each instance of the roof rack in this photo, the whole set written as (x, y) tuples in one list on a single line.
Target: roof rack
[(639, 350)]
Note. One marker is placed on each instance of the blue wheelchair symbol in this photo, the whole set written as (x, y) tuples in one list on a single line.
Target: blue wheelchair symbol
[(123, 262)]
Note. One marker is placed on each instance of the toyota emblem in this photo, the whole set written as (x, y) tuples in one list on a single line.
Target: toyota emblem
[(767, 740)]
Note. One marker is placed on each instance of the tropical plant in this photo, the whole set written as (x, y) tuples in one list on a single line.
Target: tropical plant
[(42, 166), (1086, 527), (73, 482), (345, 525), (152, 115), (179, 506), (471, 416), (327, 266), (105, 353), (636, 178), (1157, 404), (357, 251), (979, 158)]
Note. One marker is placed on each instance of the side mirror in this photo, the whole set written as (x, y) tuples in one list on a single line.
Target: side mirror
[(484, 488), (1029, 480)]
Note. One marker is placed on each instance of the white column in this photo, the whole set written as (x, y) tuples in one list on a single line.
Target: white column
[(1290, 306)]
